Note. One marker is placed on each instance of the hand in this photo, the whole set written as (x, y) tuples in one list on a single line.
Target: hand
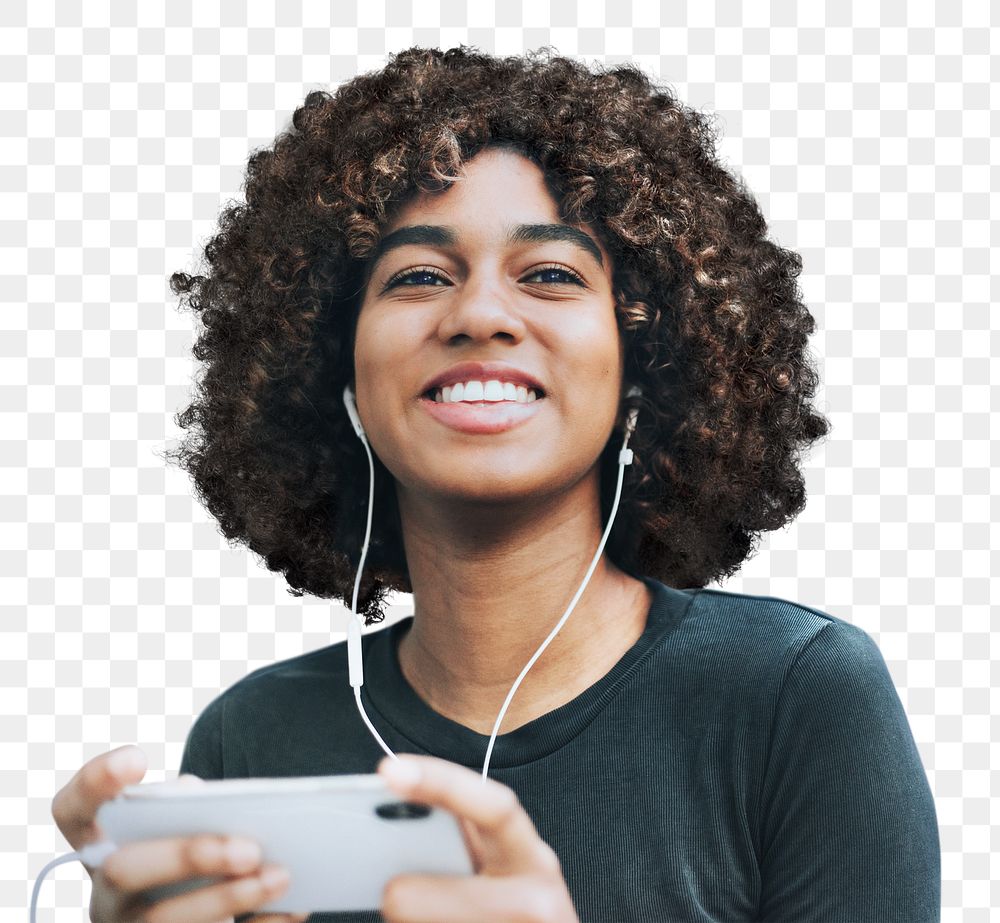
[(119, 883), (518, 875)]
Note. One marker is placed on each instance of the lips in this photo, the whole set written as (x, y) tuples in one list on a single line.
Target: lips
[(482, 371), (481, 418)]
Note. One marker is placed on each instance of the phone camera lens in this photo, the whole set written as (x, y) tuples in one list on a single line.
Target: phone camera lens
[(402, 810)]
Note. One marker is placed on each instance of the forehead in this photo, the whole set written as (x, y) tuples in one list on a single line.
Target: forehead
[(495, 181), (501, 198)]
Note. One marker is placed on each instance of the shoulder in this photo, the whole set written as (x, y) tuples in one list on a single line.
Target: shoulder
[(843, 795), (759, 653), (750, 628), (260, 698), (276, 691), (815, 668), (784, 618)]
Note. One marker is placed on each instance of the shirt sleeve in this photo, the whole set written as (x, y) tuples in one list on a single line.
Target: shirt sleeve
[(202, 754), (848, 827)]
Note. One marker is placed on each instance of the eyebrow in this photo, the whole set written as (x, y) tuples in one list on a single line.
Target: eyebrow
[(438, 235)]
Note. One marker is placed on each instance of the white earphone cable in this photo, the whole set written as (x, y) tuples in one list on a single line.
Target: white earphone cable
[(93, 854), (590, 570), (354, 625)]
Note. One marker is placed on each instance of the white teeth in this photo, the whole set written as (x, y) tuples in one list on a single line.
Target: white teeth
[(493, 391)]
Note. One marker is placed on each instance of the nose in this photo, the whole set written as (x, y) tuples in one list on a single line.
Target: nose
[(482, 309)]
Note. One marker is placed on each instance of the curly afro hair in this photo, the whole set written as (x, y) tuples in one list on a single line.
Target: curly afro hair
[(712, 320)]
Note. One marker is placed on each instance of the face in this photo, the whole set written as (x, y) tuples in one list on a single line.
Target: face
[(484, 284)]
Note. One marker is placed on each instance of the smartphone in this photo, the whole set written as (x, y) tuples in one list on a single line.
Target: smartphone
[(340, 837)]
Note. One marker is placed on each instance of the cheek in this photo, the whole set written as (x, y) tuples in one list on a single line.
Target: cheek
[(365, 336), (385, 376), (593, 394), (601, 350), (378, 346), (373, 351)]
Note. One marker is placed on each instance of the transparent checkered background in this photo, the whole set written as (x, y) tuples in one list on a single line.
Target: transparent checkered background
[(865, 130)]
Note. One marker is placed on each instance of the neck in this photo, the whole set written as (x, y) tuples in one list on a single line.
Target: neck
[(489, 586)]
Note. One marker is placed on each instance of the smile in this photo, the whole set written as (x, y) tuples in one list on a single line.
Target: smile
[(493, 391)]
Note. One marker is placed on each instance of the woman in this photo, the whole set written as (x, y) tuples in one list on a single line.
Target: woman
[(492, 252)]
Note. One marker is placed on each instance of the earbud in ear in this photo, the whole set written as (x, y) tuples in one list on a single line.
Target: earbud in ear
[(632, 395), (352, 413)]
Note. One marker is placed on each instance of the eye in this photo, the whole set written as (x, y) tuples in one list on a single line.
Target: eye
[(424, 275), (555, 269), (421, 273)]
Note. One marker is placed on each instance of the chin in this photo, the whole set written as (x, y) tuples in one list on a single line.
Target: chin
[(495, 487)]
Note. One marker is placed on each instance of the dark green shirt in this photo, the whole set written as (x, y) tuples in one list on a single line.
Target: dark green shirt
[(747, 759)]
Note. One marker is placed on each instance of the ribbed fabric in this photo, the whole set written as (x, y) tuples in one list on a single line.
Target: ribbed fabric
[(747, 759)]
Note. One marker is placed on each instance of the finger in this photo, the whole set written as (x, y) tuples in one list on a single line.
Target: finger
[(459, 898), (510, 842), (216, 902), (97, 781), (145, 864), (473, 843)]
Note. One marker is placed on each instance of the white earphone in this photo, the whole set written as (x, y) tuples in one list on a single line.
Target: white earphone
[(352, 412), (354, 660)]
